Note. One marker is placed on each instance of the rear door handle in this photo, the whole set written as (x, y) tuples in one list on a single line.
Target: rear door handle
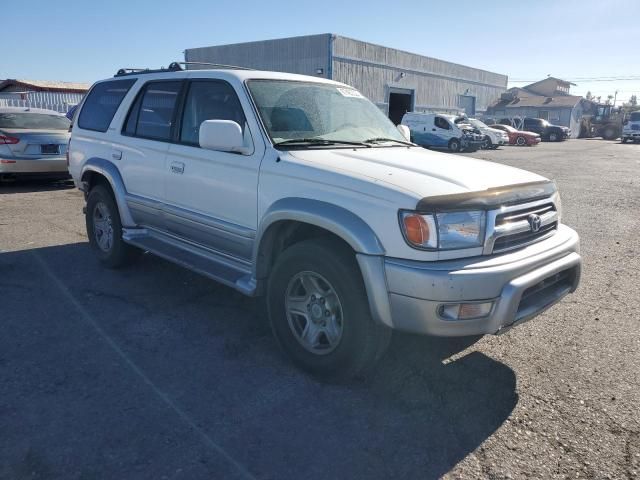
[(177, 167), (116, 154)]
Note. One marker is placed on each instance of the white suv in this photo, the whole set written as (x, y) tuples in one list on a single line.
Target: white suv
[(300, 189)]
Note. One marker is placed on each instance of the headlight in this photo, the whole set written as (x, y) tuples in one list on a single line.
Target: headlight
[(444, 231)]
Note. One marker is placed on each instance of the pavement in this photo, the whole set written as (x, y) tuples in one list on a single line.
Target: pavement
[(155, 372)]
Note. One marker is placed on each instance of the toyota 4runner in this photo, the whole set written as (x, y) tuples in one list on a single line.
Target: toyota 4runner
[(301, 190)]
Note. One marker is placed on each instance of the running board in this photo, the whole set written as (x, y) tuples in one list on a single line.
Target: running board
[(201, 260)]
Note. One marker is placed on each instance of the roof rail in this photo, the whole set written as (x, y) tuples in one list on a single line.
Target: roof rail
[(174, 67), (216, 65)]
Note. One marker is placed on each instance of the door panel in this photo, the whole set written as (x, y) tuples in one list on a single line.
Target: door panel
[(211, 196)]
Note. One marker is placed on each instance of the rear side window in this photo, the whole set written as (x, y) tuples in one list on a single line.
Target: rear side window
[(152, 114), (101, 104)]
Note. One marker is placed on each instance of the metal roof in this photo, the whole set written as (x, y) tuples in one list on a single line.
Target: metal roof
[(45, 85), (560, 101)]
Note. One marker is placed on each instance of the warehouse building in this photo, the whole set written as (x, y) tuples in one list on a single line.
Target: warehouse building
[(59, 96), (395, 80)]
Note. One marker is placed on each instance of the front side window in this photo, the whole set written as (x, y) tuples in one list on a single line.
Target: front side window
[(151, 116), (101, 104), (209, 100), (33, 121), (317, 112), (441, 123)]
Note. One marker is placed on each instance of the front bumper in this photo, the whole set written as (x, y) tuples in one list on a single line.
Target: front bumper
[(35, 165), (521, 285), (633, 134)]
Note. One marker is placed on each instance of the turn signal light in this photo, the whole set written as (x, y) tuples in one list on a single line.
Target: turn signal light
[(416, 229), (465, 311)]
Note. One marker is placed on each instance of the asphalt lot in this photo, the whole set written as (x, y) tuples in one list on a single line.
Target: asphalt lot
[(156, 372)]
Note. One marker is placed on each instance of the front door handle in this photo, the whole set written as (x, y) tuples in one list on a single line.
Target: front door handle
[(177, 167)]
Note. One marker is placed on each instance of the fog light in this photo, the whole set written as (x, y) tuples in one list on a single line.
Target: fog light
[(465, 311)]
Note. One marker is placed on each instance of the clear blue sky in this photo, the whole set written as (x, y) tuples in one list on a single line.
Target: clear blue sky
[(86, 40)]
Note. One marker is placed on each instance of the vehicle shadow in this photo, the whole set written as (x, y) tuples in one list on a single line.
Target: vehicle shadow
[(34, 185), (210, 351)]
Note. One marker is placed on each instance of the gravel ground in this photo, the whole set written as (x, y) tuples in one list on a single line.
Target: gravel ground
[(155, 372)]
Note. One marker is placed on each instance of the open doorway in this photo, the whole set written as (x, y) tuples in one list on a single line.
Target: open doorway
[(399, 104)]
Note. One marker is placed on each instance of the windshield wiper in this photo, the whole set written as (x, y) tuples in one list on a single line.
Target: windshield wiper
[(384, 139), (319, 141)]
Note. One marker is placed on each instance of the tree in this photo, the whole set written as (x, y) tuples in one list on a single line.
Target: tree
[(588, 96), (633, 101), (609, 98)]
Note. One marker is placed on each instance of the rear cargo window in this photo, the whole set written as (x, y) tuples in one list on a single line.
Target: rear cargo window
[(33, 121), (102, 103)]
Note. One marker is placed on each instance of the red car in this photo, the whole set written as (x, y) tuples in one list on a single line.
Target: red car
[(518, 137)]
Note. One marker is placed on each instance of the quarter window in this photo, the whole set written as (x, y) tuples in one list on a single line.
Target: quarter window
[(101, 104), (152, 115), (209, 100)]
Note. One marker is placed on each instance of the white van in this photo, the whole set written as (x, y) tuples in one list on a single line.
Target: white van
[(440, 130), (631, 128)]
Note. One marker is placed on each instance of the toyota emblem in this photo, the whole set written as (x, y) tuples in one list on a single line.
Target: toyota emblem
[(535, 222)]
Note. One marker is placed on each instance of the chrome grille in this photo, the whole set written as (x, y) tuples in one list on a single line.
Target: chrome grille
[(511, 228)]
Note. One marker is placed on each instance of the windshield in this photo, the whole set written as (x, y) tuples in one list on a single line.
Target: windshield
[(34, 121), (292, 110), (635, 117)]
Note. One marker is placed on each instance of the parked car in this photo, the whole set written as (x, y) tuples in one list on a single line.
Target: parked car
[(518, 137), (631, 128), (547, 131), (33, 142), (433, 130), (300, 189), (493, 138)]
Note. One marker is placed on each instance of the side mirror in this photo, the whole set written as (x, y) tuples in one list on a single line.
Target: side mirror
[(406, 133), (222, 136)]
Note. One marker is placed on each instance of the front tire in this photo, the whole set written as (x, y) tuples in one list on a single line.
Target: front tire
[(104, 229), (554, 137), (486, 143), (521, 141), (454, 145), (319, 311)]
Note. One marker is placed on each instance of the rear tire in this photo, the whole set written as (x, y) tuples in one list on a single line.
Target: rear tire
[(104, 229), (319, 311)]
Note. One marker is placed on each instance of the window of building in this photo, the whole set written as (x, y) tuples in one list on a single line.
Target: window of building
[(543, 114)]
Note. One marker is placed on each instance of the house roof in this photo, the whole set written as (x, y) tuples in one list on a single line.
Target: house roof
[(559, 80), (45, 85), (566, 101)]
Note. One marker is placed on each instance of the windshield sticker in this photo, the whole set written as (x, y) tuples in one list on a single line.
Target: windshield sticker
[(350, 92)]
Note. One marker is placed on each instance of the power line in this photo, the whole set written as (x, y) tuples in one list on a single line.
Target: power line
[(588, 79)]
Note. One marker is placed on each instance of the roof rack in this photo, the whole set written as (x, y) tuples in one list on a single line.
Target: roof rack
[(174, 67)]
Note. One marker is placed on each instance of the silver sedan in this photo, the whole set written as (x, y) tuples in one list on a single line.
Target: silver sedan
[(33, 142)]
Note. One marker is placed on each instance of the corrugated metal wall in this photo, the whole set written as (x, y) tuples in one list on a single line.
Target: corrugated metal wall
[(437, 84), (372, 69), (302, 55)]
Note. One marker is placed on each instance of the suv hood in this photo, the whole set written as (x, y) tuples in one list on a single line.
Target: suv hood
[(421, 172)]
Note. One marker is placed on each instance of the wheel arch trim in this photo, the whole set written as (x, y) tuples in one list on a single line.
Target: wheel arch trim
[(110, 172)]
